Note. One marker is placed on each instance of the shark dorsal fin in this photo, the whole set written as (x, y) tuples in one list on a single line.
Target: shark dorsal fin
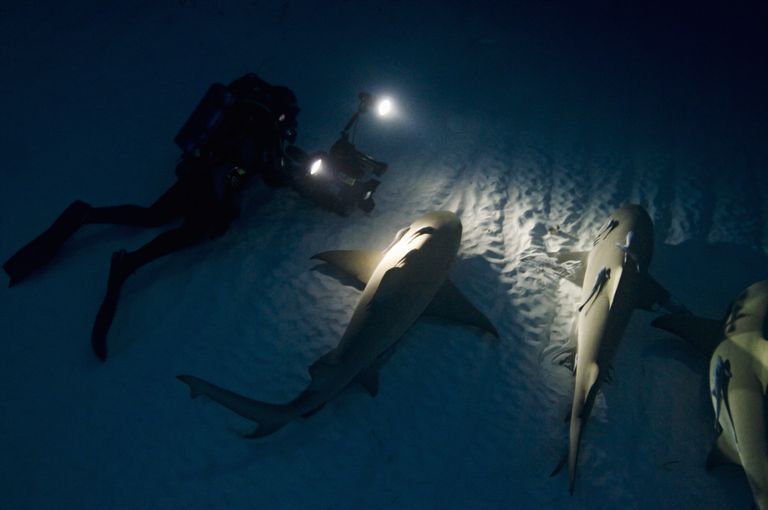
[(450, 304), (358, 264), (703, 334)]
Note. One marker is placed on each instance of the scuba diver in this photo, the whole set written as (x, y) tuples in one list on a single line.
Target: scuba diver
[(236, 132)]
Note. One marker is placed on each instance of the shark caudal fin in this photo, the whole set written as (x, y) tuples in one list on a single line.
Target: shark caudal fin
[(583, 400), (269, 417)]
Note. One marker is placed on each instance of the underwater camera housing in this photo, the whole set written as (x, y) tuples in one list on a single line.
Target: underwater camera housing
[(342, 179), (339, 180)]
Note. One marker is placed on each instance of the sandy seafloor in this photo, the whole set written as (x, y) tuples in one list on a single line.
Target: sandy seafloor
[(518, 119)]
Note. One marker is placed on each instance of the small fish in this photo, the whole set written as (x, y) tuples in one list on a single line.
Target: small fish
[(723, 377), (603, 276), (605, 231), (627, 249)]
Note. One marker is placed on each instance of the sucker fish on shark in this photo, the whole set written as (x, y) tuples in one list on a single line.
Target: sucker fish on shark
[(613, 289), (721, 377), (738, 378), (628, 249), (406, 281), (602, 277)]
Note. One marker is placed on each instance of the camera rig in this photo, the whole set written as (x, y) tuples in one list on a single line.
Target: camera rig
[(343, 178), (340, 180)]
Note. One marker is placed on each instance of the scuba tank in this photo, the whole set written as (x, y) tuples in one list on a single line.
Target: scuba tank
[(205, 118)]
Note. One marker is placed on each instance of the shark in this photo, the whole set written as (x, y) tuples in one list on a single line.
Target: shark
[(614, 279), (405, 281), (738, 379)]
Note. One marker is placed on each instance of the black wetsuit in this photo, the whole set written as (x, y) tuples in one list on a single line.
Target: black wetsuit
[(247, 142), (207, 190)]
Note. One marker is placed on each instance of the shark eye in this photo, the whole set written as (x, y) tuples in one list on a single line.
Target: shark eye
[(423, 231)]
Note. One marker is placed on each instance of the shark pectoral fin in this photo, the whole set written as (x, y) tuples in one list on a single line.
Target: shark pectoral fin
[(369, 379), (651, 293), (359, 264), (703, 334), (450, 304), (573, 256), (265, 429), (721, 454), (313, 411)]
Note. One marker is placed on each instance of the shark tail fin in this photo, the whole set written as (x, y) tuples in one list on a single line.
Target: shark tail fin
[(269, 417), (583, 400)]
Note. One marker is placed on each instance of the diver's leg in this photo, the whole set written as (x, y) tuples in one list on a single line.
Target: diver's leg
[(165, 208), (40, 250), (124, 264)]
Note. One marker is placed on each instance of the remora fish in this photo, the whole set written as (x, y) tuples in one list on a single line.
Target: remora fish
[(405, 281), (738, 377), (614, 279)]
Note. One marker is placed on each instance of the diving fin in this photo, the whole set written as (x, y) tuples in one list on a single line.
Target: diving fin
[(450, 304), (358, 264), (41, 250)]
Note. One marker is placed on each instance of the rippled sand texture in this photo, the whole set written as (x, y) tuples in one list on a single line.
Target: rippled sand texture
[(531, 135)]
